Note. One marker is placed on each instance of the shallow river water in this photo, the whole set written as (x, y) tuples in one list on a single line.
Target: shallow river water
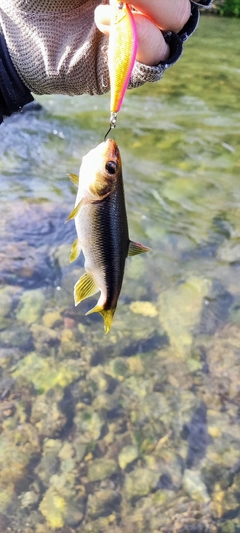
[(137, 431)]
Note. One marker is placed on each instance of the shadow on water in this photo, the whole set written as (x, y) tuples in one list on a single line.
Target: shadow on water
[(137, 431)]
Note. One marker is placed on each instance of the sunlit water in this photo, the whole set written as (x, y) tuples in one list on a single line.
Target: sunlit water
[(137, 431)]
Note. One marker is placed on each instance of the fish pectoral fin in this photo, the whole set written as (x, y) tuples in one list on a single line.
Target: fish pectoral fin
[(84, 288), (75, 211), (136, 248), (75, 251), (74, 179), (107, 314)]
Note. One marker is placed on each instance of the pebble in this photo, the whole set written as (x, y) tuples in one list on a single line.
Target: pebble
[(101, 469), (194, 486), (127, 455)]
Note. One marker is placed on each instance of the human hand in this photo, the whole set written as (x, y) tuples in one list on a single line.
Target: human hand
[(50, 46), (151, 17)]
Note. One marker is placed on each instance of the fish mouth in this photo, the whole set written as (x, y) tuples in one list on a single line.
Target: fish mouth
[(111, 149)]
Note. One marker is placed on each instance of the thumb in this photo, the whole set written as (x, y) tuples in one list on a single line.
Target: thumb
[(152, 48), (102, 17)]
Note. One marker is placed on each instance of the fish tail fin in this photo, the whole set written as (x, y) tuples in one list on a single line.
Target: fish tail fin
[(107, 314), (84, 288), (136, 248)]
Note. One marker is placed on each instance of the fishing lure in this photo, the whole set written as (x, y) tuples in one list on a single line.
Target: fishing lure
[(121, 55)]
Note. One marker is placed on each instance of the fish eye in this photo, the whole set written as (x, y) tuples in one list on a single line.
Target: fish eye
[(111, 167)]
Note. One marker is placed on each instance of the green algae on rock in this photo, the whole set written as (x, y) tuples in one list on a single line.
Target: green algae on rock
[(54, 508), (46, 373), (31, 306)]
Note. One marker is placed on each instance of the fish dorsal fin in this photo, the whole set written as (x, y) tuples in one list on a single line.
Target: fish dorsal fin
[(136, 248), (107, 314), (75, 251), (75, 211), (74, 179), (84, 288)]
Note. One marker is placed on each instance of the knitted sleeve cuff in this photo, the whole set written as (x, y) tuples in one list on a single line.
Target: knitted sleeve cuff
[(13, 93)]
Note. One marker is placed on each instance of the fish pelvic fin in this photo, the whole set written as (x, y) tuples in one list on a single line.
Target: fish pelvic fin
[(74, 179), (84, 288), (75, 211), (136, 248), (107, 314), (75, 251)]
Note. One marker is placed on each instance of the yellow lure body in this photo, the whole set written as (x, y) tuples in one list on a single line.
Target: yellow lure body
[(121, 54)]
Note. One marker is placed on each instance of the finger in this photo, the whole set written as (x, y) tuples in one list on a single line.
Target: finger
[(152, 47), (102, 17), (168, 15)]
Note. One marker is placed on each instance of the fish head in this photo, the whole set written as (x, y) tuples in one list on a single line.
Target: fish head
[(100, 170)]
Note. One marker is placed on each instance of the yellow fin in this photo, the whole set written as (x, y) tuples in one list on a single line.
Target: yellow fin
[(74, 179), (74, 212), (84, 288), (75, 251), (136, 248), (107, 314)]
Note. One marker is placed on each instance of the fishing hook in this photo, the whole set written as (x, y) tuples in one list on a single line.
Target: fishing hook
[(113, 123)]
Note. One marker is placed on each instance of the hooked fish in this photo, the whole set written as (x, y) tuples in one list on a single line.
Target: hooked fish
[(102, 229), (122, 52)]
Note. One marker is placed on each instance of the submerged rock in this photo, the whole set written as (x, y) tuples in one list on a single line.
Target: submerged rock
[(46, 373), (103, 503), (30, 306), (54, 508), (101, 469), (140, 482), (194, 486), (46, 414), (52, 318), (44, 338), (17, 447), (89, 425), (144, 308), (127, 455), (180, 311), (49, 464), (24, 247)]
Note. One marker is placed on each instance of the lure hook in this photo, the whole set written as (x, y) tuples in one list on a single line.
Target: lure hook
[(113, 123)]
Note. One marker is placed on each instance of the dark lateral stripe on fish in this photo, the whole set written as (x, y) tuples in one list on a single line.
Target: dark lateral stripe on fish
[(113, 250)]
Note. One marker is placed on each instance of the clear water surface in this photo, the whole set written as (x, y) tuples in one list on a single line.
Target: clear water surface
[(139, 430)]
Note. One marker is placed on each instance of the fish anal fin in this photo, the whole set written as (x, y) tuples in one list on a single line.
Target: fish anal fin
[(84, 288), (136, 248), (75, 251), (74, 179), (107, 314), (75, 211)]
